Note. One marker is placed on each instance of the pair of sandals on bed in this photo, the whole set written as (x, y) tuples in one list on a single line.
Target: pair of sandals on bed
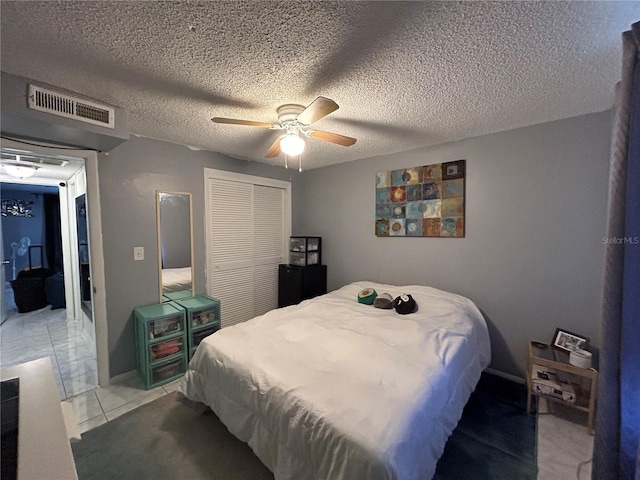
[(403, 304)]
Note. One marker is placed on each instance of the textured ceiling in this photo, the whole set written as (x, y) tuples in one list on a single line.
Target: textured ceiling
[(405, 74)]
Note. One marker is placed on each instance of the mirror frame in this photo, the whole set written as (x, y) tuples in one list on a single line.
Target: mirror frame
[(158, 222), (84, 266)]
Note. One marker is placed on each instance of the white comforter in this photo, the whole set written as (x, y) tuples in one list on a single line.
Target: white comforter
[(176, 279), (334, 389)]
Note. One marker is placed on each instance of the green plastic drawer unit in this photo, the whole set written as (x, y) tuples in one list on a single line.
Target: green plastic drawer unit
[(166, 348), (168, 371), (203, 318), (161, 343), (198, 335)]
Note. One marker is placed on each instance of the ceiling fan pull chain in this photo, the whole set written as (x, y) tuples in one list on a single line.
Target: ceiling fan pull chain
[(286, 165), (300, 163)]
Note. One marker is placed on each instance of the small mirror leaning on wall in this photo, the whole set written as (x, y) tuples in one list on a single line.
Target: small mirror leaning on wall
[(175, 245)]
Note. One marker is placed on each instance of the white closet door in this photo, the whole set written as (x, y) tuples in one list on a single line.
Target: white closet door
[(269, 241), (248, 224)]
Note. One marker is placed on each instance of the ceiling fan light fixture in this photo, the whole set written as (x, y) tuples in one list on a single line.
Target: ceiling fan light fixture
[(292, 145), (20, 171)]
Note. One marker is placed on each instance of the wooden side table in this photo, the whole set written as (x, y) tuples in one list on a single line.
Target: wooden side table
[(545, 356)]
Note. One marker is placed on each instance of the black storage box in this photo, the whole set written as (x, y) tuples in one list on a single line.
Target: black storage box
[(29, 294), (28, 287), (54, 290)]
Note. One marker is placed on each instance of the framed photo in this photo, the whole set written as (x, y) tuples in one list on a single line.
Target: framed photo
[(564, 340)]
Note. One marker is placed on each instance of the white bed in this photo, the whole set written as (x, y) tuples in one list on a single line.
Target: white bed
[(176, 279), (334, 389)]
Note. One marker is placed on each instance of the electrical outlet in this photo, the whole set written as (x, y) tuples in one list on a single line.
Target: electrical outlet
[(138, 253)]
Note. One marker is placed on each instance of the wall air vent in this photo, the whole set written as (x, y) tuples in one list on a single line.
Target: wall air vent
[(67, 106)]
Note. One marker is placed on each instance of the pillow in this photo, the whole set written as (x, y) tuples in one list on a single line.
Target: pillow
[(367, 296), (405, 304)]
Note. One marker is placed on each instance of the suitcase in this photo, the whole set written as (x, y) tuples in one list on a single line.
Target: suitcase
[(54, 290), (28, 288)]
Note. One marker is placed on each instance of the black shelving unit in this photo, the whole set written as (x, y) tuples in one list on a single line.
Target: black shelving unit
[(300, 283)]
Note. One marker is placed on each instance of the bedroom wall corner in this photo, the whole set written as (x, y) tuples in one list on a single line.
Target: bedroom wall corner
[(533, 255)]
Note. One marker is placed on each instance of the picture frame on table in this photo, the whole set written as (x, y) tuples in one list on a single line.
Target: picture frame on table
[(569, 341)]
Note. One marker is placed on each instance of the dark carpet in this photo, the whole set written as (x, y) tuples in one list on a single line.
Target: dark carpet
[(165, 439), (495, 438)]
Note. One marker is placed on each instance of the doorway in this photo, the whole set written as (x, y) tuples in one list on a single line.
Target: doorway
[(32, 245), (39, 321), (76, 176)]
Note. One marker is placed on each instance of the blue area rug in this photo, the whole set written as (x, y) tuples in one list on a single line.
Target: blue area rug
[(495, 438)]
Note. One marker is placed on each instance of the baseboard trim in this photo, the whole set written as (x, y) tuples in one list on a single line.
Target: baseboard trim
[(89, 340), (508, 376), (123, 377)]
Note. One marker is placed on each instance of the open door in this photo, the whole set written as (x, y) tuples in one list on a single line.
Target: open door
[(76, 251), (3, 279), (85, 291), (84, 183)]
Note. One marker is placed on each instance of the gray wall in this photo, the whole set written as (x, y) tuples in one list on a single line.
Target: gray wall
[(19, 120), (129, 177), (532, 258)]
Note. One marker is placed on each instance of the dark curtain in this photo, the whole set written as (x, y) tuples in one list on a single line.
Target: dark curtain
[(52, 232), (616, 444)]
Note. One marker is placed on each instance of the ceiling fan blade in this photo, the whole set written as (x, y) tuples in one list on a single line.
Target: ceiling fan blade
[(248, 123), (319, 108), (274, 150), (333, 138)]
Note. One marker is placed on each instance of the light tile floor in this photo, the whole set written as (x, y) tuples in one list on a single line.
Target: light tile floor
[(564, 448), (102, 405), (46, 333)]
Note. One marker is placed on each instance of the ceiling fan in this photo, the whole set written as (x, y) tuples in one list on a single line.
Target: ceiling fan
[(295, 120)]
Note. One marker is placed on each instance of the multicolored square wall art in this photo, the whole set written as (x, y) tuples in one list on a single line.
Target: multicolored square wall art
[(425, 201)]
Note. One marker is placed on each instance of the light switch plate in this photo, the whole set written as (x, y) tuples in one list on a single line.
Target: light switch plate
[(138, 253)]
